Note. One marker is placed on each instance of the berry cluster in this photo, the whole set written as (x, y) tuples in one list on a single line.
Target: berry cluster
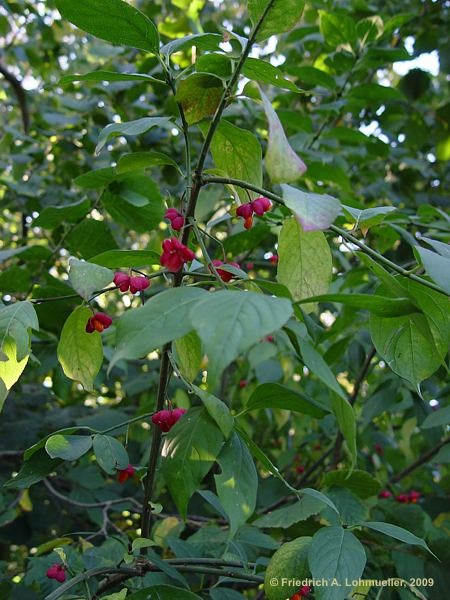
[(166, 419), (412, 498), (258, 207), (175, 254), (135, 284), (57, 572), (176, 219), (124, 475)]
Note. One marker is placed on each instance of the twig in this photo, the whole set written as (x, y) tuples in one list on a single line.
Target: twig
[(164, 375), (345, 234), (419, 462), (102, 504)]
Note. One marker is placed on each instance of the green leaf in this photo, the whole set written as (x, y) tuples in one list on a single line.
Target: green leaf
[(112, 20), (338, 29), (117, 595), (202, 41), (305, 262), (289, 562), (86, 278), (274, 395), (162, 319), (237, 484), (374, 94), (199, 95), (189, 355), (440, 247), (282, 163), (214, 64), (68, 447), (359, 482), (135, 202), (163, 592), (352, 510), (110, 76), (189, 451), (289, 515), (381, 306), (41, 443), (16, 321), (314, 212), (365, 219), (98, 178), (142, 160), (79, 353), (346, 418), (245, 318), (10, 368), (317, 364), (437, 419), (110, 453), (238, 154), (335, 553), (437, 267), (116, 259), (414, 345), (312, 76), (281, 17), (129, 128), (398, 533), (33, 470), (90, 237), (264, 72), (52, 216), (217, 409)]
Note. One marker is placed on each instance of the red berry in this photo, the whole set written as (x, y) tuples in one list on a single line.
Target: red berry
[(296, 597), (175, 254), (379, 449), (166, 419), (261, 205), (124, 474), (57, 572), (402, 498), (385, 494), (300, 469), (122, 280), (250, 266), (274, 259), (176, 218), (138, 284), (245, 210), (414, 496), (98, 322), (269, 338), (225, 275), (248, 223), (243, 383), (304, 591)]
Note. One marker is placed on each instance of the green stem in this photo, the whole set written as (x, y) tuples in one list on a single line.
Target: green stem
[(133, 420), (198, 235), (342, 232)]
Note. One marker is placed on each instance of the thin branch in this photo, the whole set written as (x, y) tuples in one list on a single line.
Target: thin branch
[(20, 95), (198, 235), (76, 503), (420, 461), (205, 180), (164, 375)]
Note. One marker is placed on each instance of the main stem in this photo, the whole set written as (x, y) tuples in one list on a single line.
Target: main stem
[(193, 187)]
